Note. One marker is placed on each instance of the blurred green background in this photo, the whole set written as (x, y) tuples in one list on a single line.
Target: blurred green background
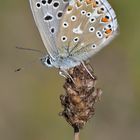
[(29, 100)]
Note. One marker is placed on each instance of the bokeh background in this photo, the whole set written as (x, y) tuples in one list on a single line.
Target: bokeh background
[(29, 100)]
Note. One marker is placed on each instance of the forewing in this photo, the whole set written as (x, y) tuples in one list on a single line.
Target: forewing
[(91, 25), (47, 15)]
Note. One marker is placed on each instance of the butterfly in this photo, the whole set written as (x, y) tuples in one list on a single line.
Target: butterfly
[(73, 30)]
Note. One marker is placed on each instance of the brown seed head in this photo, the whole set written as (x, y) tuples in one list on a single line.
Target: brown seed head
[(80, 97)]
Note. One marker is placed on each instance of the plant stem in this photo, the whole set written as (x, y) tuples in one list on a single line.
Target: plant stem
[(76, 136)]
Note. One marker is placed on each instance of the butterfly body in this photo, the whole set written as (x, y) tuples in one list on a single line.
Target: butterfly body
[(62, 63), (73, 30)]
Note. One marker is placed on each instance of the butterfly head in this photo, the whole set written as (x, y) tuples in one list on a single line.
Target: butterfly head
[(47, 61)]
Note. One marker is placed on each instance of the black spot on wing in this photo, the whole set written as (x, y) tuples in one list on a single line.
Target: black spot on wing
[(48, 18)]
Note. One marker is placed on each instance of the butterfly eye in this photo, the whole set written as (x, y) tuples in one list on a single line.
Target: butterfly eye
[(56, 4), (91, 29), (47, 61), (65, 24), (93, 46), (92, 20), (73, 18), (99, 34), (38, 5), (63, 38), (83, 12), (88, 14), (76, 39)]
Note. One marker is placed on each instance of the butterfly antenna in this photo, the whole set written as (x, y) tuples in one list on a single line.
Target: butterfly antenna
[(18, 69), (27, 65), (29, 49)]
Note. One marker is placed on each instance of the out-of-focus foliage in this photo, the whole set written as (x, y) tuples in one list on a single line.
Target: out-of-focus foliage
[(29, 100)]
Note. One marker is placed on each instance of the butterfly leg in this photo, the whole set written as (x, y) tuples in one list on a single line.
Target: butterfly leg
[(65, 74), (87, 70)]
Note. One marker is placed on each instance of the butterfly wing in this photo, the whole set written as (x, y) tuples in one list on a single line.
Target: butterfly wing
[(87, 27), (47, 15)]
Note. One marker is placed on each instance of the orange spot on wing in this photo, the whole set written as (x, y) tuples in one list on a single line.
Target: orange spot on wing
[(108, 31), (94, 4), (104, 19), (88, 1)]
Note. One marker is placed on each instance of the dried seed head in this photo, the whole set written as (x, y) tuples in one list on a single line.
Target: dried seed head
[(80, 97)]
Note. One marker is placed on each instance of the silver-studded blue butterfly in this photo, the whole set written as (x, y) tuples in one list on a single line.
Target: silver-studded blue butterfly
[(73, 30)]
